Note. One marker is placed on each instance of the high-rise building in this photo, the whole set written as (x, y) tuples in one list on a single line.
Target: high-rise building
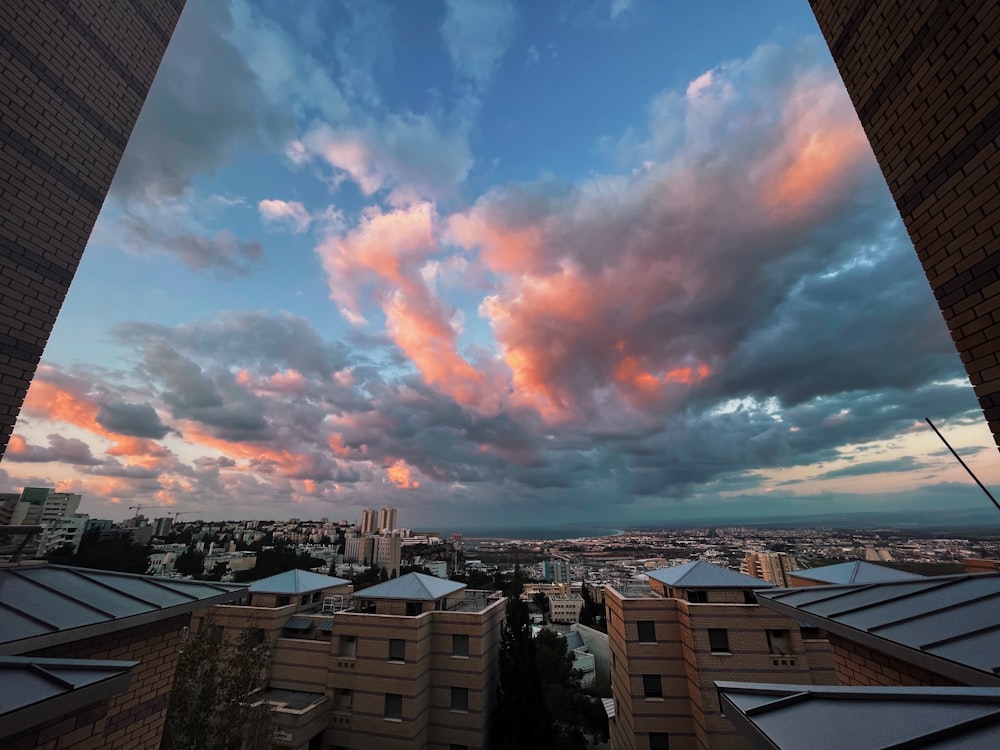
[(368, 521), (772, 567), (692, 624), (922, 75), (66, 532), (560, 570), (387, 552), (404, 665), (386, 520), (43, 506), (74, 80)]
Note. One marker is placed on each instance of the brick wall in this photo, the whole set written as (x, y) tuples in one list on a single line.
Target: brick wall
[(924, 77), (859, 665), (135, 718), (71, 87), (81, 730)]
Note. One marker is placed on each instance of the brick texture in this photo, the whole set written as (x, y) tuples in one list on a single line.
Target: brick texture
[(134, 719), (859, 665), (73, 78), (924, 77)]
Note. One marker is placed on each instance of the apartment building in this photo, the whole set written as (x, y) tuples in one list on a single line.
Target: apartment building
[(917, 662), (410, 663), (692, 624), (772, 567), (386, 520), (564, 608), (87, 657)]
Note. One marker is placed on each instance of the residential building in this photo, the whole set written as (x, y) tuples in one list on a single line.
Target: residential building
[(74, 82), (772, 567), (369, 521), (387, 552), (922, 75), (162, 526), (359, 548), (559, 570), (564, 608), (42, 506), (917, 662), (64, 532), (386, 520), (87, 657), (410, 663), (689, 625)]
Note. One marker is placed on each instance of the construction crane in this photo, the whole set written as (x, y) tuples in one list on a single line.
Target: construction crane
[(179, 513), (136, 508)]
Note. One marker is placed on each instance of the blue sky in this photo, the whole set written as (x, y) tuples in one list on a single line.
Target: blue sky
[(499, 263)]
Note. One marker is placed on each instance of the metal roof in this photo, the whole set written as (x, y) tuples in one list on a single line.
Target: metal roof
[(43, 605), (703, 575), (32, 690), (574, 641), (814, 717), (412, 586), (946, 624), (857, 571), (299, 623), (295, 582)]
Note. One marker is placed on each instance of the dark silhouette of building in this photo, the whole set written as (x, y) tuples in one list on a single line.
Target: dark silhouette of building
[(924, 77), (73, 78)]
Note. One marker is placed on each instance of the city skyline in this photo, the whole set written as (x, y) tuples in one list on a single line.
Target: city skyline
[(500, 264)]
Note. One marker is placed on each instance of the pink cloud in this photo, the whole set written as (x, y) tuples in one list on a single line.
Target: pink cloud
[(290, 213)]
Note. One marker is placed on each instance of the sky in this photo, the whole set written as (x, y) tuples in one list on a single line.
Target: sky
[(500, 263)]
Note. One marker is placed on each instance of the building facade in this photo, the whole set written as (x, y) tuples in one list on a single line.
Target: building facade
[(772, 567), (410, 663), (922, 77), (386, 520), (74, 81), (691, 625)]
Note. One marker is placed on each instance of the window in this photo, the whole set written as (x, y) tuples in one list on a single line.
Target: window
[(393, 706), (659, 741), (414, 608), (810, 632), (459, 699), (718, 640), (348, 647), (749, 597), (652, 686), (397, 649), (342, 700), (698, 597), (779, 642), (647, 631), (460, 645), (284, 600)]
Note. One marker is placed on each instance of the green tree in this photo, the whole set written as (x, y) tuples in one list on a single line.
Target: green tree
[(520, 720), (190, 563), (214, 703)]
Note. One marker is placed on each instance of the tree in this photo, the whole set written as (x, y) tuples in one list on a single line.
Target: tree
[(541, 601), (190, 563), (520, 719), (214, 703)]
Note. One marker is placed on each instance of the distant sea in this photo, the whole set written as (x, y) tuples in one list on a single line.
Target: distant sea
[(540, 533)]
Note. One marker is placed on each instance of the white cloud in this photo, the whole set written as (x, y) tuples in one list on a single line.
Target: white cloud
[(291, 213), (477, 34), (618, 7)]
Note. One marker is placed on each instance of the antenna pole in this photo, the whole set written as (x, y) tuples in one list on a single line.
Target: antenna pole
[(964, 466)]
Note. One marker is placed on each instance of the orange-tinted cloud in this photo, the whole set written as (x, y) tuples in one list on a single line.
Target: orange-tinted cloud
[(399, 474)]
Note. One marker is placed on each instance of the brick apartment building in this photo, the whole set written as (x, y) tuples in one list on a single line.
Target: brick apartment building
[(74, 78), (87, 657), (694, 624), (410, 663), (918, 662), (923, 77)]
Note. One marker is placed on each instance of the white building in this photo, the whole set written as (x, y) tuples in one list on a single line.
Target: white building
[(63, 532), (42, 506)]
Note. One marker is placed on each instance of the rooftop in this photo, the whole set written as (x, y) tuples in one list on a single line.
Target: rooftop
[(858, 571), (295, 582), (789, 717), (412, 587), (703, 575), (30, 685), (43, 605), (946, 624)]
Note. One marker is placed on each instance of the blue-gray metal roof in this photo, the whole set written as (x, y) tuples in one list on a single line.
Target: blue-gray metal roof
[(41, 605), (946, 624), (813, 717), (857, 571), (703, 575), (295, 582), (34, 690), (574, 641), (412, 586)]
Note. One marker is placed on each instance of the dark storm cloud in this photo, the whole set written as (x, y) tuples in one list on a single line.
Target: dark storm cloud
[(205, 100), (137, 420), (222, 253), (60, 449)]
